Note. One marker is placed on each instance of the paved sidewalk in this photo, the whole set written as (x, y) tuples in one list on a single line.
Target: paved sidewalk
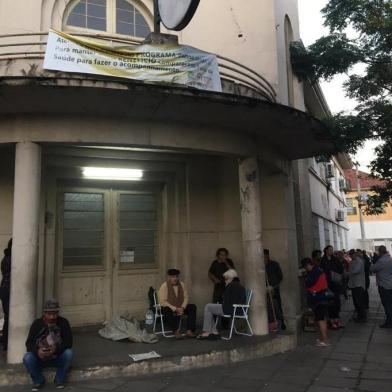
[(360, 359)]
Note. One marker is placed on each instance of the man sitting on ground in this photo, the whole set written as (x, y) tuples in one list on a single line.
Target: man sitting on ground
[(174, 298), (49, 344)]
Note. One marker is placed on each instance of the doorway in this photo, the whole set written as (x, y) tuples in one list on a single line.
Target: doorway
[(107, 251)]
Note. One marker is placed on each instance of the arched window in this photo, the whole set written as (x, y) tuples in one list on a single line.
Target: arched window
[(111, 16)]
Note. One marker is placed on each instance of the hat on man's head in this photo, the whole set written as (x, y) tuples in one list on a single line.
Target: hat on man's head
[(173, 272), (266, 251), (51, 305)]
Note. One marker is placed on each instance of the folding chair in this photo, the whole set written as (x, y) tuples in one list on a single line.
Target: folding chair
[(239, 312), (158, 316)]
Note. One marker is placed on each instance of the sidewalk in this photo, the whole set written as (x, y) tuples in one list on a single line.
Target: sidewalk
[(360, 359)]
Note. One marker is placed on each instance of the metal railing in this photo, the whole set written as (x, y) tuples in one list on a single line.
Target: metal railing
[(32, 46)]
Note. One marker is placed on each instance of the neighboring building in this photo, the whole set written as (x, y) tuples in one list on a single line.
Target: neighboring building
[(214, 169), (377, 228), (329, 216), (327, 184)]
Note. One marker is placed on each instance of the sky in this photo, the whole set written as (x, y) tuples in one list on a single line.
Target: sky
[(311, 26)]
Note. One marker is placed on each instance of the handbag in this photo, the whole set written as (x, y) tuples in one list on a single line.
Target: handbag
[(336, 277), (326, 297)]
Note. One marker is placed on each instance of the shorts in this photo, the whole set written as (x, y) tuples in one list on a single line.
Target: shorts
[(320, 312)]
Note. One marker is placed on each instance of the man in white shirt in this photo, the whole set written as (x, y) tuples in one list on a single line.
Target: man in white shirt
[(174, 299)]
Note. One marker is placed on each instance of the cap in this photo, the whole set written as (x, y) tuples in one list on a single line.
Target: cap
[(51, 305), (173, 272)]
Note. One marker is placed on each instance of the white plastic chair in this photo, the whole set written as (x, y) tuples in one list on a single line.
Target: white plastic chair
[(158, 316), (240, 311)]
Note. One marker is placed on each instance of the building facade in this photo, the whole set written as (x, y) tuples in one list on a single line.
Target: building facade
[(224, 169), (376, 228), (329, 218)]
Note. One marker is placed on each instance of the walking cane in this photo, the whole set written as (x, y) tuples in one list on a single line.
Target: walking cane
[(271, 300)]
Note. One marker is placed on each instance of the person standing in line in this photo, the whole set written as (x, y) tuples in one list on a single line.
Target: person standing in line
[(367, 263), (357, 284), (316, 257), (216, 271), (316, 286), (274, 278), (5, 289), (334, 270), (383, 270)]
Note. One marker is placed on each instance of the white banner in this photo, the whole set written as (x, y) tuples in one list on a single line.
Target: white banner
[(174, 64)]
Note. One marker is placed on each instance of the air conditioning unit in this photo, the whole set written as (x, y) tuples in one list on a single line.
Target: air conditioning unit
[(340, 215), (322, 159), (344, 185), (329, 170)]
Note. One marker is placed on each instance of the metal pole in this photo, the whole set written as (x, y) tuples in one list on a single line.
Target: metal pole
[(157, 18), (362, 223)]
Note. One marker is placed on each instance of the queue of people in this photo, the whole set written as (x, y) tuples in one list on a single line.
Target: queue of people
[(49, 342), (328, 276)]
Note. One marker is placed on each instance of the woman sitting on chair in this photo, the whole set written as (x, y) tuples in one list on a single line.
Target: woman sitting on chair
[(234, 294)]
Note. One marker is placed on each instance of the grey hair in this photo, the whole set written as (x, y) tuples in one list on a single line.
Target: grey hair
[(230, 274)]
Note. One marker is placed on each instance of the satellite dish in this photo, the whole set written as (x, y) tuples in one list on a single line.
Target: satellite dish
[(176, 14)]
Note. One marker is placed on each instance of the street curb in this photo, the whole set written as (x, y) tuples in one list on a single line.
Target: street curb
[(16, 375)]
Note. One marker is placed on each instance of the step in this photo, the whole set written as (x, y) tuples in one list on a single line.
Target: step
[(224, 353)]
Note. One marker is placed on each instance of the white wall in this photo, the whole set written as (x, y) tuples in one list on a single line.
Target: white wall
[(373, 230)]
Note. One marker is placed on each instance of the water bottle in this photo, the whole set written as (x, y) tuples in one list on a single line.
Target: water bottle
[(149, 321)]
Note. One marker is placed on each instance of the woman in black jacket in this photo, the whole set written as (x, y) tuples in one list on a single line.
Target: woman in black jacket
[(5, 288), (234, 293)]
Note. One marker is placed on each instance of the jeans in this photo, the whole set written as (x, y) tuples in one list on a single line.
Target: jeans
[(173, 320), (386, 299), (210, 311), (34, 366)]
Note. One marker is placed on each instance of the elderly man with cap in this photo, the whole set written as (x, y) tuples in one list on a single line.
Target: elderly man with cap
[(49, 344), (174, 298)]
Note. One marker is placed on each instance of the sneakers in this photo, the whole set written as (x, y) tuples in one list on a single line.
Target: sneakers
[(37, 387), (60, 386), (320, 343)]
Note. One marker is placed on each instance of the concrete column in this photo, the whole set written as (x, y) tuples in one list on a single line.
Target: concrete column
[(24, 246), (249, 175), (280, 237)]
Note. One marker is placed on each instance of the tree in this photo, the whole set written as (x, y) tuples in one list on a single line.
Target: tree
[(370, 22)]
